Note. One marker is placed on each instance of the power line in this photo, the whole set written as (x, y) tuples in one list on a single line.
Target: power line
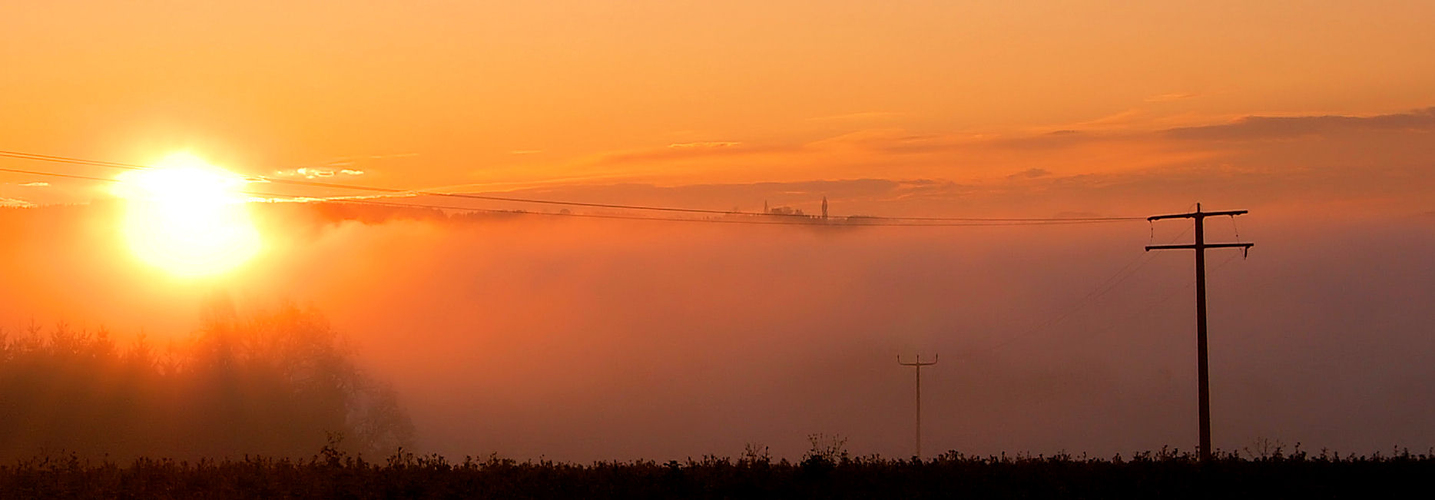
[(805, 222), (334, 185), (1110, 283), (1105, 287), (1152, 305), (77, 161), (55, 174), (808, 222)]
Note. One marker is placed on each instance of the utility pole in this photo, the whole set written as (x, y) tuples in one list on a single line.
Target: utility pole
[(918, 365), (1200, 246)]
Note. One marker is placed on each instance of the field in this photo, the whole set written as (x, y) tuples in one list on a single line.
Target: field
[(120, 406), (332, 474)]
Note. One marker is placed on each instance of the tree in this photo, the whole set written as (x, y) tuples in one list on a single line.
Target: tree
[(275, 383)]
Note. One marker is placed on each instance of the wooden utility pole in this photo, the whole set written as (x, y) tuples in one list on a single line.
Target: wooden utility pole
[(1200, 246), (918, 365)]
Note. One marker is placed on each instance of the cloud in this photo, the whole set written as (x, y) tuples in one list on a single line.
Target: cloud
[(1284, 127), (901, 142), (1030, 173), (1120, 131), (1177, 96), (1059, 139), (34, 184), (688, 151), (352, 159), (858, 117), (719, 196), (1128, 119), (315, 173), (15, 203), (1123, 174), (897, 141), (346, 161), (714, 144), (1339, 157)]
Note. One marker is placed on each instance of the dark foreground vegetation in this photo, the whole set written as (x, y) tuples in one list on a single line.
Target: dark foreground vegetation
[(276, 383), (333, 474)]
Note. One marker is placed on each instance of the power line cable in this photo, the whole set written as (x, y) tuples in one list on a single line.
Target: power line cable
[(334, 185), (55, 174), (814, 222), (1106, 286), (806, 222)]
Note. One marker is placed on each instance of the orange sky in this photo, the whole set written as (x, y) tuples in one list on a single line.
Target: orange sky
[(672, 339), (516, 95)]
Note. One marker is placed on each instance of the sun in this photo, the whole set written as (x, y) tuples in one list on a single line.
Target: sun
[(187, 217)]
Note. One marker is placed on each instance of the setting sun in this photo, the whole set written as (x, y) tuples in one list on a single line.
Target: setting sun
[(690, 249), (186, 216)]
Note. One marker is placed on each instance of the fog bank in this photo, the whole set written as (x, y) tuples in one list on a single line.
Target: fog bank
[(581, 340)]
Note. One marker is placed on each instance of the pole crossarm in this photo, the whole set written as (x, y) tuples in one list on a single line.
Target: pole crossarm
[(1193, 247), (899, 361), (1198, 213)]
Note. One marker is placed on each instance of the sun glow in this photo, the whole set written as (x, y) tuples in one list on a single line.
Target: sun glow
[(187, 217)]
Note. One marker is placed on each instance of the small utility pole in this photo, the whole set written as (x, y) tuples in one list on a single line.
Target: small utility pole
[(1200, 246), (918, 365)]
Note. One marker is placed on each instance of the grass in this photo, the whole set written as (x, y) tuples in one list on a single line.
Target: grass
[(334, 474)]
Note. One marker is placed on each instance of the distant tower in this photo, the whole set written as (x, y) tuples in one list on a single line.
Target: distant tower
[(824, 207), (764, 206)]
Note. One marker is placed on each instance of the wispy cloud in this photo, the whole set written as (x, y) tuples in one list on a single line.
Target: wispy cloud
[(1282, 127), (1356, 155), (711, 144), (352, 160), (685, 151), (316, 173), (1030, 173), (1175, 96), (13, 202), (858, 117), (320, 199), (895, 141), (1124, 120), (377, 157)]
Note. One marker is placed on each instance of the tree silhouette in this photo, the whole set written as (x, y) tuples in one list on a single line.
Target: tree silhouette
[(277, 383)]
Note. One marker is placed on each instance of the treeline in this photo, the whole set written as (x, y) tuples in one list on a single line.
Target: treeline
[(275, 384), (334, 474)]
